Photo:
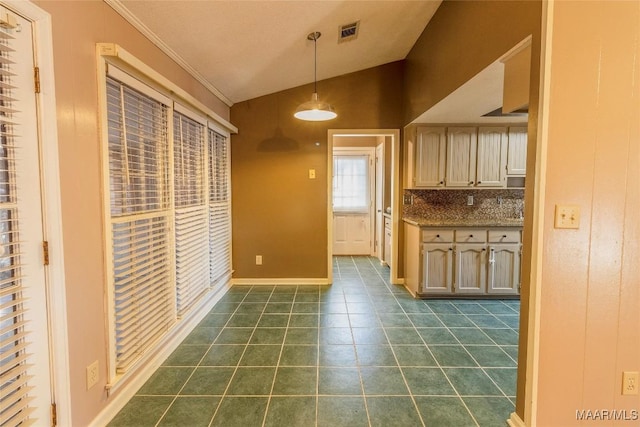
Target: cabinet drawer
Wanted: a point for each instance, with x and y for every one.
(504, 236)
(437, 236)
(471, 235)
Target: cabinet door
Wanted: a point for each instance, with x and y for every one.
(504, 269)
(437, 268)
(470, 268)
(430, 158)
(387, 246)
(517, 151)
(492, 157)
(461, 157)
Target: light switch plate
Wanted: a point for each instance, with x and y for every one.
(312, 174)
(567, 216)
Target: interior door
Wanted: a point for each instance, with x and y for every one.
(352, 204)
(25, 380)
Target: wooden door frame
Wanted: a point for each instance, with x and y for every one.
(395, 193)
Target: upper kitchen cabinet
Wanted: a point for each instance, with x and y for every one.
(466, 157)
(430, 155)
(491, 157)
(517, 151)
(462, 146)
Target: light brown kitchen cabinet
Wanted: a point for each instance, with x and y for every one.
(430, 156)
(517, 151)
(505, 253)
(386, 255)
(462, 261)
(465, 156)
(462, 146)
(492, 157)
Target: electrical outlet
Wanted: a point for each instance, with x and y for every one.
(469, 200)
(630, 383)
(407, 199)
(258, 259)
(92, 374)
(567, 216)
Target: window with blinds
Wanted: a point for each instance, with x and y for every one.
(219, 208)
(169, 214)
(143, 295)
(191, 210)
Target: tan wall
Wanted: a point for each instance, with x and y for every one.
(590, 301)
(77, 27)
(278, 212)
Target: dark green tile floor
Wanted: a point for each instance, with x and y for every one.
(361, 352)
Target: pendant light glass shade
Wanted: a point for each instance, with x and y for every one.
(315, 110)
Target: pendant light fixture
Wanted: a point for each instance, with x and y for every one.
(315, 110)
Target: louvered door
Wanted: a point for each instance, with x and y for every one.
(25, 383)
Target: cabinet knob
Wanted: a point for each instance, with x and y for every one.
(479, 182)
(484, 249)
(441, 182)
(450, 249)
(504, 236)
(470, 182)
(471, 236)
(437, 236)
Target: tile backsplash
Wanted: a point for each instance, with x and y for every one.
(452, 204)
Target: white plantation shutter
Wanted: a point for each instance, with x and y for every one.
(140, 221)
(191, 211)
(219, 208)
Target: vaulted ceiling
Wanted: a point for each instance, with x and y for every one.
(246, 49)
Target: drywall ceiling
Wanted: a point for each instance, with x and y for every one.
(247, 49)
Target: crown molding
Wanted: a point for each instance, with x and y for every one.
(153, 37)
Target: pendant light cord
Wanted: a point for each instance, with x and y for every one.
(315, 64)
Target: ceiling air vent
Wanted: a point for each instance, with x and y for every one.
(348, 32)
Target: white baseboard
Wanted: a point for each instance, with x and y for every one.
(515, 421)
(283, 281)
(121, 394)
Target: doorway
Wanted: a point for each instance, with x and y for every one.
(383, 194)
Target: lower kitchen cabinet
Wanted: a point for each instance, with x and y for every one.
(437, 263)
(462, 261)
(470, 268)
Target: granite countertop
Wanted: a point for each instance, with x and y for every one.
(463, 222)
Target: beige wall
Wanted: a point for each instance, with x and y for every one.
(278, 212)
(77, 27)
(590, 287)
